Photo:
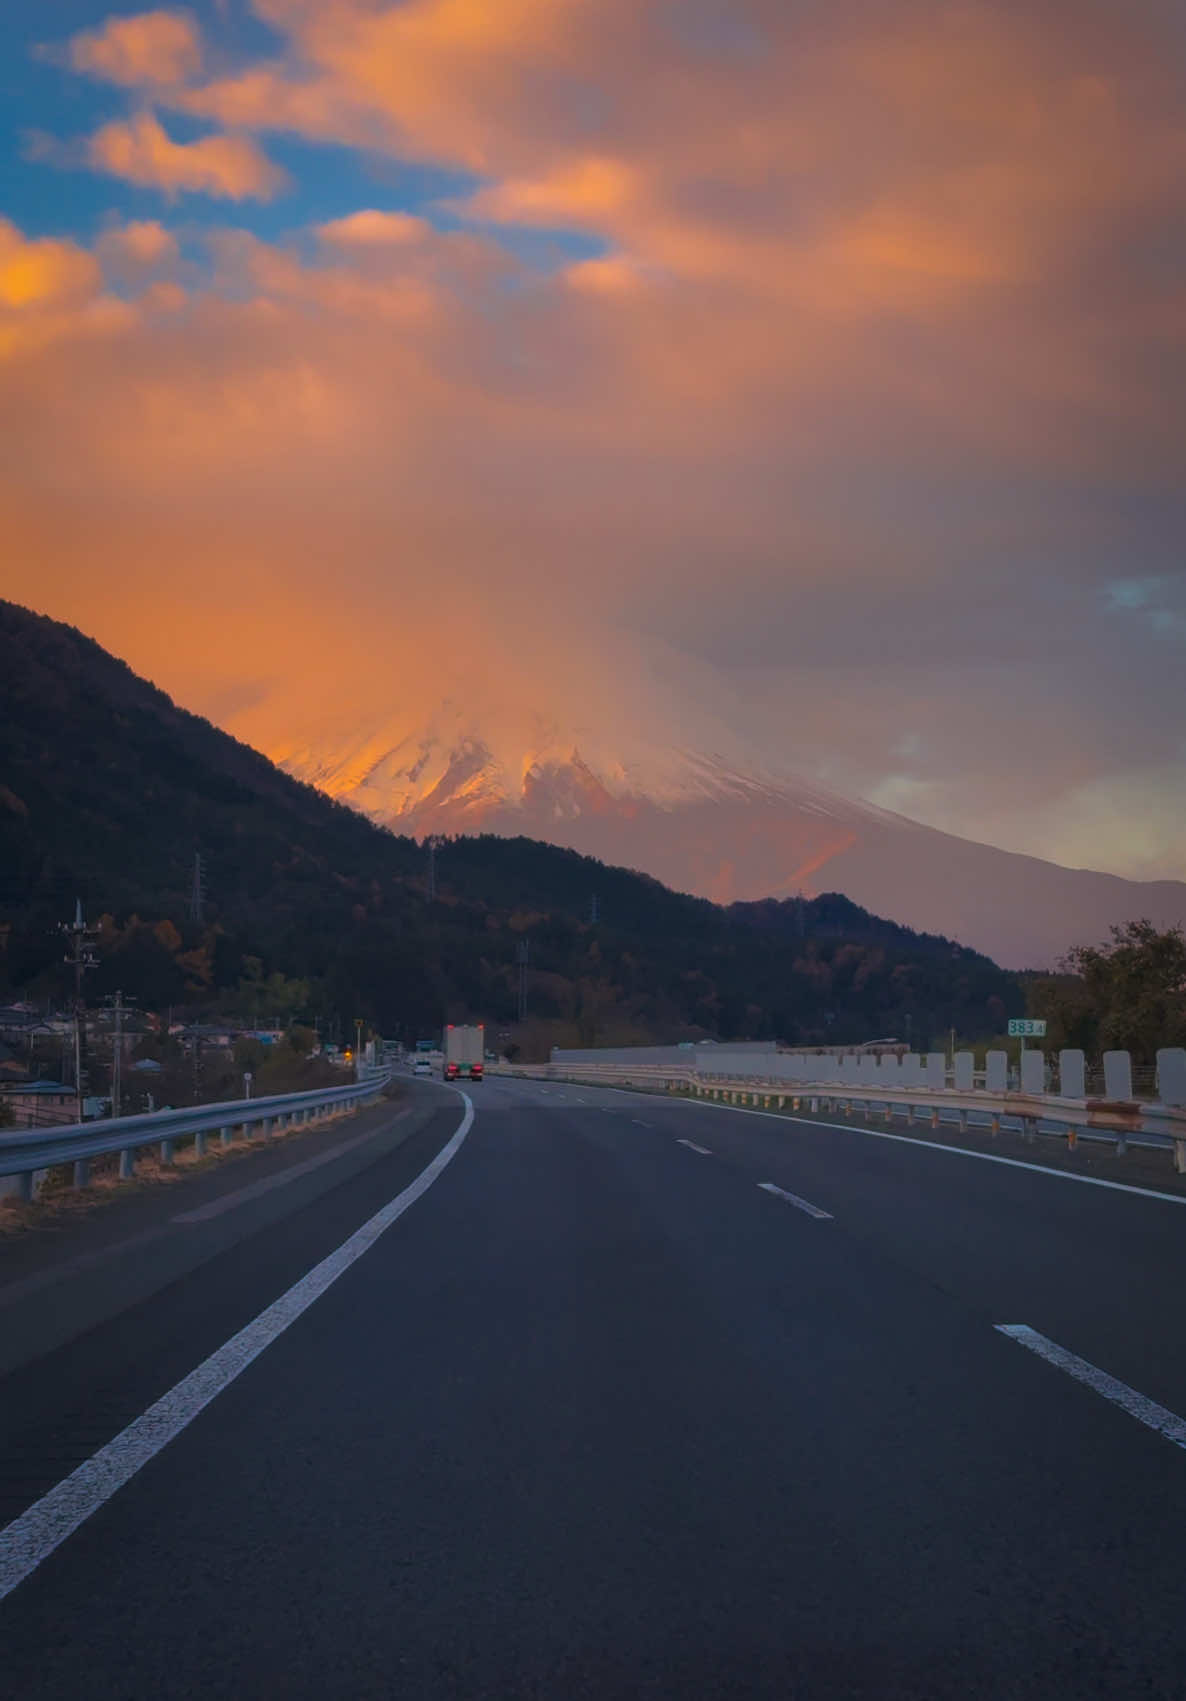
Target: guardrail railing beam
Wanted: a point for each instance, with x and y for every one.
(26, 1152)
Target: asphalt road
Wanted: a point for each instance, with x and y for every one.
(600, 1415)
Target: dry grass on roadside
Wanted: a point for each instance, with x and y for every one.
(60, 1201)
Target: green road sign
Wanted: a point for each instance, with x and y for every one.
(1023, 1027)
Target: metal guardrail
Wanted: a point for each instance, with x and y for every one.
(27, 1153)
(1154, 1125)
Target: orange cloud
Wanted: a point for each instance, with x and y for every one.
(372, 229)
(43, 272)
(144, 245)
(141, 151)
(613, 275)
(159, 47)
(886, 343)
(861, 162)
(593, 190)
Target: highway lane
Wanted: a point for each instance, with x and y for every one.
(1093, 1267)
(599, 1416)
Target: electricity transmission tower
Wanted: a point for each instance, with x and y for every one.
(522, 956)
(431, 843)
(197, 897)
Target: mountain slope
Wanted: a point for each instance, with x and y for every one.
(704, 824)
(107, 790)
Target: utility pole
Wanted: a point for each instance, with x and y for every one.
(197, 897)
(117, 1054)
(81, 957)
(522, 954)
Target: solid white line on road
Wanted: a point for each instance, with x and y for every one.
(1145, 1411)
(32, 1537)
(639, 1124)
(216, 1207)
(936, 1146)
(794, 1199)
(704, 1151)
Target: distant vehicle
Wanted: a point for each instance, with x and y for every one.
(465, 1052)
(421, 1066)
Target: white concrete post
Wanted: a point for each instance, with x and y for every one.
(1171, 1075)
(1033, 1071)
(1072, 1075)
(996, 1071)
(1117, 1075)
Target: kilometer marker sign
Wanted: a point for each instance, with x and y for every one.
(1026, 1028)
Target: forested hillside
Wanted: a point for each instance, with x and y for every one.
(108, 790)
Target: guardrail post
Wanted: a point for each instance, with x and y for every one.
(127, 1163)
(963, 1122)
(910, 1115)
(1180, 1156)
(815, 1106)
(200, 1143)
(1072, 1138)
(82, 1172)
(226, 1134)
(889, 1112)
(934, 1116)
(166, 1153)
(1029, 1129)
(24, 1187)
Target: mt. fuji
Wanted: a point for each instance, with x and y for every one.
(712, 825)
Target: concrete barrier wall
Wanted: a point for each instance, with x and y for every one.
(891, 1072)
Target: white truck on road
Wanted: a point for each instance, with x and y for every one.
(465, 1052)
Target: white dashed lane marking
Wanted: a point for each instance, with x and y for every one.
(794, 1199)
(1145, 1411)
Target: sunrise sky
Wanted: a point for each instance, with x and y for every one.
(824, 362)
